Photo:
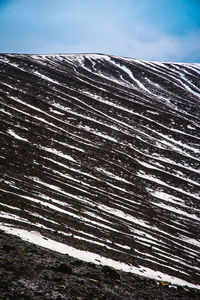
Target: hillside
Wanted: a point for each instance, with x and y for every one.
(100, 160)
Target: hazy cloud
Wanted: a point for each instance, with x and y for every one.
(142, 29)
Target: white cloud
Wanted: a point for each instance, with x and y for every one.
(95, 26)
(165, 48)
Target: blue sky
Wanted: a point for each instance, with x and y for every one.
(144, 29)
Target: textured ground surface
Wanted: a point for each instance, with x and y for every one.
(101, 155)
(29, 272)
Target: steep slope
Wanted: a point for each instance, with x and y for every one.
(101, 155)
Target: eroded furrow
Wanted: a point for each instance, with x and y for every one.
(101, 155)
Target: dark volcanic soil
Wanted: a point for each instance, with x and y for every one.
(101, 154)
(31, 272)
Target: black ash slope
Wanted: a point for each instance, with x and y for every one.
(102, 154)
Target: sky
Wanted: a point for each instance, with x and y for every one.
(167, 30)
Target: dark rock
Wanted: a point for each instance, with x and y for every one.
(63, 268)
(57, 279)
(8, 247)
(112, 273)
(77, 263)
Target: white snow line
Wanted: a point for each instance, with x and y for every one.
(58, 153)
(16, 136)
(36, 238)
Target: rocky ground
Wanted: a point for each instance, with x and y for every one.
(30, 272)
